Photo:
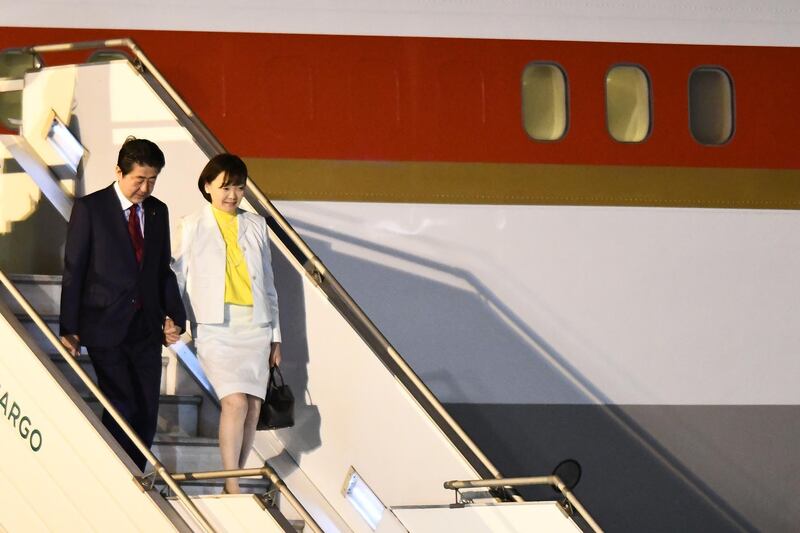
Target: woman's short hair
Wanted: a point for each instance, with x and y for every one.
(232, 165)
(139, 151)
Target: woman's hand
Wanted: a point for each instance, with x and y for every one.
(275, 354)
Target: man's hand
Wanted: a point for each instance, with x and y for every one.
(72, 343)
(171, 332)
(275, 354)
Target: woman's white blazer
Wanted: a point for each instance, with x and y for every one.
(199, 264)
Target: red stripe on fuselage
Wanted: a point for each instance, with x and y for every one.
(433, 99)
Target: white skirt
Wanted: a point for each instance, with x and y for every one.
(235, 355)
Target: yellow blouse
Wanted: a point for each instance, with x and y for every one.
(237, 277)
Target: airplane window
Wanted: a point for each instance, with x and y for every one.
(711, 105)
(544, 101)
(628, 103)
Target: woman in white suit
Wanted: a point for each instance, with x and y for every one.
(223, 264)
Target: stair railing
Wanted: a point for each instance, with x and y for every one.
(552, 480)
(266, 472)
(320, 276)
(158, 468)
(317, 272)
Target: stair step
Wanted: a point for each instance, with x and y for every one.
(83, 360)
(259, 487)
(177, 415)
(35, 279)
(42, 291)
(257, 517)
(192, 454)
(196, 454)
(50, 320)
(86, 365)
(214, 486)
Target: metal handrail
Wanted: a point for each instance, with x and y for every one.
(148, 66)
(265, 471)
(316, 266)
(158, 468)
(552, 480)
(319, 274)
(313, 264)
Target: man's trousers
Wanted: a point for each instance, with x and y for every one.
(129, 375)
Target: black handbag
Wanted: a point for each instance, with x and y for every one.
(278, 408)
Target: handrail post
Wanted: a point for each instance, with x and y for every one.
(266, 472)
(551, 480)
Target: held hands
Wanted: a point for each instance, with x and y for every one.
(72, 343)
(275, 354)
(171, 332)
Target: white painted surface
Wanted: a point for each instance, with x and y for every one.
(366, 419)
(112, 102)
(501, 518)
(59, 92)
(269, 448)
(644, 305)
(351, 412)
(19, 194)
(9, 84)
(694, 295)
(234, 513)
(38, 171)
(74, 478)
(770, 22)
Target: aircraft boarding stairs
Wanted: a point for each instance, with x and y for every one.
(371, 448)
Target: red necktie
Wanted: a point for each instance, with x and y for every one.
(135, 232)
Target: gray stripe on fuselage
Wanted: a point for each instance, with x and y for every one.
(655, 467)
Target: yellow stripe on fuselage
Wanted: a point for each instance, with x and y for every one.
(526, 184)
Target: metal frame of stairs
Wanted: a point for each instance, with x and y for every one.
(316, 271)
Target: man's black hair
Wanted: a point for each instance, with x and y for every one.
(139, 151)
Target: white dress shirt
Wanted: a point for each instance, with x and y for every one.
(126, 204)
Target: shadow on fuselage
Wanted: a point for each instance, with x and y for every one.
(630, 482)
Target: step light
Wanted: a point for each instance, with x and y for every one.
(64, 143)
(363, 499)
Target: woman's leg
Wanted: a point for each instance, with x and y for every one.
(250, 423)
(231, 429)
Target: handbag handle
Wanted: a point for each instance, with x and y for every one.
(272, 371)
(271, 383)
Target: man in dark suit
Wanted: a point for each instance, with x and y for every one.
(119, 297)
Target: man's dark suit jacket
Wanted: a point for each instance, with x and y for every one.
(102, 278)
